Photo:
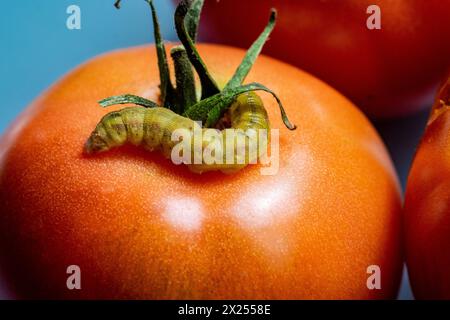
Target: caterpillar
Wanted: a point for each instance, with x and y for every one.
(236, 112)
(153, 128)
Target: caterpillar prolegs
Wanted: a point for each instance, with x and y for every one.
(154, 129)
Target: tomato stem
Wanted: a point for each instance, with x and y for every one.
(209, 86)
(185, 89)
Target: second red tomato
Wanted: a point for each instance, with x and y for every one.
(387, 72)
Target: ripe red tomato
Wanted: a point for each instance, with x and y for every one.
(427, 207)
(389, 72)
(140, 227)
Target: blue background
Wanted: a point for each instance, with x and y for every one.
(37, 49)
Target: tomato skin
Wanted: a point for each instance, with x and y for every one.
(389, 72)
(140, 227)
(427, 210)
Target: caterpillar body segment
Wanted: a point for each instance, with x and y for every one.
(248, 112)
(153, 129)
(247, 137)
(150, 128)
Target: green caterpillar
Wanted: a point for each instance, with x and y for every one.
(235, 107)
(153, 129)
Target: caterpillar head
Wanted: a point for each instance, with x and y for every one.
(96, 144)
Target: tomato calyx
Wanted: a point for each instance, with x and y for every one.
(182, 99)
(442, 103)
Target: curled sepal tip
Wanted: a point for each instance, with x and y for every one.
(211, 109)
(216, 113)
(127, 99)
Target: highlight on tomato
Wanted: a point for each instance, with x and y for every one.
(87, 193)
(427, 206)
(387, 56)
